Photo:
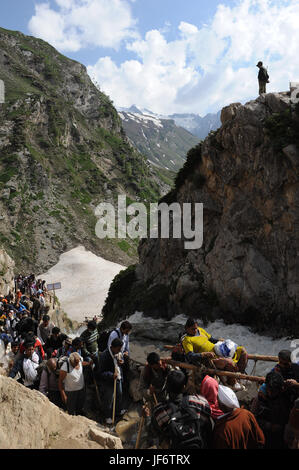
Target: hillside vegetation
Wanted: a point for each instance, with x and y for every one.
(62, 151)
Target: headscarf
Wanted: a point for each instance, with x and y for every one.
(209, 390)
(228, 397)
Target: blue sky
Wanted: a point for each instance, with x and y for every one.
(169, 55)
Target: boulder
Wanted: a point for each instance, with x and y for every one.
(229, 112)
(6, 273)
(29, 421)
(277, 102)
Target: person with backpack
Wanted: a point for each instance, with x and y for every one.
(237, 428)
(263, 77)
(71, 384)
(35, 309)
(48, 384)
(11, 323)
(109, 372)
(183, 421)
(30, 337)
(27, 366)
(45, 328)
(65, 349)
(77, 346)
(89, 338)
(25, 325)
(153, 378)
(54, 342)
(123, 333)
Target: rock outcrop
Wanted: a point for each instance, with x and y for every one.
(247, 270)
(6, 273)
(29, 421)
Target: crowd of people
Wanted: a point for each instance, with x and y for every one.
(207, 414)
(182, 410)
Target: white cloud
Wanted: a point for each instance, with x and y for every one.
(81, 23)
(210, 66)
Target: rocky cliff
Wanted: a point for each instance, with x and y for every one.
(62, 151)
(7, 266)
(247, 270)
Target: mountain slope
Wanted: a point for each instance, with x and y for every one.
(160, 140)
(62, 151)
(197, 125)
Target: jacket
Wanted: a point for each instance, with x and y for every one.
(106, 366)
(90, 340)
(263, 75)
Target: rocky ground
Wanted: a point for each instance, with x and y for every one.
(29, 421)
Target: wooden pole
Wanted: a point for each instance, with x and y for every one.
(96, 386)
(114, 401)
(155, 399)
(253, 357)
(259, 357)
(139, 432)
(221, 373)
(54, 299)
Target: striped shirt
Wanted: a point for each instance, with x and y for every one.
(90, 340)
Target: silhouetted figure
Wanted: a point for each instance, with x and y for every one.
(263, 78)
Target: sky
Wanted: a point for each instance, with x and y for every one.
(169, 56)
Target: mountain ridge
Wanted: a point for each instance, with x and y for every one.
(160, 140)
(62, 151)
(194, 123)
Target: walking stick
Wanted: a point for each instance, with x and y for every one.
(97, 389)
(155, 399)
(139, 432)
(114, 401)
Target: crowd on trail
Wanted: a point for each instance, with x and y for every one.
(181, 409)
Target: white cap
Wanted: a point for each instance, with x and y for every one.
(228, 397)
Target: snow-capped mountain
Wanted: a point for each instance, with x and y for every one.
(163, 142)
(194, 123)
(197, 125)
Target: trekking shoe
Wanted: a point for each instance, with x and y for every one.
(108, 421)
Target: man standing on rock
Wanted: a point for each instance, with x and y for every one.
(263, 78)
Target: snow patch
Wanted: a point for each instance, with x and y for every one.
(85, 279)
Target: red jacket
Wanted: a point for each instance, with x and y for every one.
(37, 345)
